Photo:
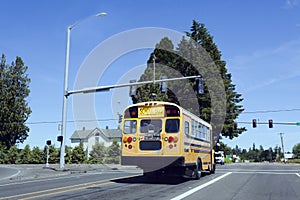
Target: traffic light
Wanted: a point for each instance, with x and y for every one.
(48, 142)
(254, 123)
(270, 123)
(60, 138)
(163, 86)
(235, 125)
(133, 88)
(199, 85)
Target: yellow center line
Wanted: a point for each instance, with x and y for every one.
(66, 188)
(64, 191)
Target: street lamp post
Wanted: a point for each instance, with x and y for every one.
(66, 93)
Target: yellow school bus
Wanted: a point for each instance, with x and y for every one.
(163, 137)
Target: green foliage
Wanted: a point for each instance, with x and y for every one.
(25, 155)
(12, 155)
(78, 154)
(171, 62)
(113, 153)
(101, 154)
(37, 156)
(296, 150)
(14, 112)
(54, 154)
(98, 154)
(3, 154)
(68, 152)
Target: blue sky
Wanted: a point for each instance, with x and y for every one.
(259, 40)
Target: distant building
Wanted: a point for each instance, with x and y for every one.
(94, 136)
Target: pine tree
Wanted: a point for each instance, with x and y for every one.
(191, 53)
(53, 154)
(12, 155)
(38, 156)
(78, 154)
(14, 83)
(113, 153)
(98, 153)
(201, 35)
(25, 155)
(68, 152)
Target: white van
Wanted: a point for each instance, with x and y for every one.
(219, 157)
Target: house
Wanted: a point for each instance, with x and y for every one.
(94, 136)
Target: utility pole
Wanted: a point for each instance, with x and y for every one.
(281, 137)
(154, 57)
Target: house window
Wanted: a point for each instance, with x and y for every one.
(97, 138)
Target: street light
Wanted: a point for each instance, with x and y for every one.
(66, 94)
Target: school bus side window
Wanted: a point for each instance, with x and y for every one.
(130, 126)
(187, 127)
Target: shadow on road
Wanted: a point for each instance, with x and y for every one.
(162, 179)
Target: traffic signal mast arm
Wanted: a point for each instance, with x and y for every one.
(107, 88)
(279, 123)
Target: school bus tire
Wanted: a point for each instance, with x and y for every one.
(198, 169)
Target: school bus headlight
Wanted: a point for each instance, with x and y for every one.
(166, 138)
(124, 139)
(133, 139)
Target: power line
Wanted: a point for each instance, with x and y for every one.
(58, 122)
(271, 111)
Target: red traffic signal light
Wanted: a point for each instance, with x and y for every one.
(254, 123)
(270, 123)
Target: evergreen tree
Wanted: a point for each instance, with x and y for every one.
(182, 62)
(25, 155)
(3, 154)
(68, 152)
(12, 155)
(296, 150)
(98, 153)
(78, 154)
(113, 153)
(14, 83)
(53, 154)
(38, 156)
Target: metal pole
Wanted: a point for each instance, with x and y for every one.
(47, 159)
(154, 68)
(281, 137)
(65, 101)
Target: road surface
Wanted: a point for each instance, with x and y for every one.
(8, 172)
(235, 181)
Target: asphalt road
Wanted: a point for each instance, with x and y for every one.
(8, 172)
(235, 181)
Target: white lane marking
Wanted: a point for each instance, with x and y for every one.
(298, 174)
(200, 187)
(260, 170)
(265, 172)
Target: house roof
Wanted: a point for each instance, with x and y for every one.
(108, 133)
